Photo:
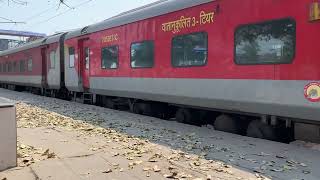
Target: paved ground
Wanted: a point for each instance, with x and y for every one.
(67, 140)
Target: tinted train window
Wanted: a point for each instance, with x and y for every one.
(189, 50)
(10, 67)
(87, 57)
(71, 57)
(5, 67)
(22, 66)
(0, 67)
(30, 64)
(52, 59)
(266, 43)
(110, 57)
(15, 67)
(142, 54)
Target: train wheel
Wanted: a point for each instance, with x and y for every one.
(258, 129)
(110, 104)
(228, 124)
(136, 108)
(184, 115)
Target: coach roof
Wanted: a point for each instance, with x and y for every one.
(148, 11)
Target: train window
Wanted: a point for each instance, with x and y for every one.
(30, 64)
(110, 57)
(10, 67)
(189, 50)
(5, 67)
(270, 42)
(0, 67)
(142, 54)
(71, 57)
(52, 59)
(87, 57)
(15, 67)
(22, 66)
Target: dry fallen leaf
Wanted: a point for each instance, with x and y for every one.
(146, 169)
(173, 175)
(51, 155)
(115, 164)
(130, 158)
(115, 154)
(138, 162)
(209, 177)
(152, 160)
(22, 146)
(107, 171)
(306, 172)
(45, 152)
(281, 157)
(156, 169)
(277, 170)
(303, 165)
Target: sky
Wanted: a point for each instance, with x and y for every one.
(45, 16)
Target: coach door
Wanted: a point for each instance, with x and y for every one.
(44, 67)
(84, 64)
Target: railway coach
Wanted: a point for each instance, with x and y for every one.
(35, 66)
(258, 59)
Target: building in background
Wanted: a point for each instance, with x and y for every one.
(10, 39)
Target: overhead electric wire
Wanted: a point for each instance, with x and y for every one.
(6, 19)
(19, 2)
(24, 3)
(64, 12)
(62, 2)
(42, 12)
(10, 21)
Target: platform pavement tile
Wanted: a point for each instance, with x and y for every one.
(54, 169)
(18, 174)
(58, 142)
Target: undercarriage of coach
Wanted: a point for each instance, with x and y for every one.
(268, 127)
(253, 125)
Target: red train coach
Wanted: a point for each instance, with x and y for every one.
(34, 66)
(255, 57)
